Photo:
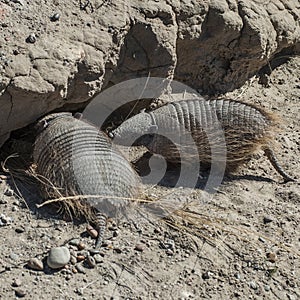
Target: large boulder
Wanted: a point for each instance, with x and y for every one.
(213, 46)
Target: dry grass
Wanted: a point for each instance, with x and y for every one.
(187, 219)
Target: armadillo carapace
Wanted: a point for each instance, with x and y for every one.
(75, 158)
(202, 123)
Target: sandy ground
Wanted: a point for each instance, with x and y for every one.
(243, 243)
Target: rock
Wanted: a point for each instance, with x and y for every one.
(73, 260)
(35, 264)
(14, 256)
(253, 285)
(74, 242)
(94, 251)
(118, 250)
(80, 268)
(139, 247)
(20, 293)
(272, 257)
(80, 258)
(81, 246)
(213, 46)
(91, 261)
(267, 219)
(261, 239)
(9, 192)
(17, 282)
(91, 231)
(98, 258)
(267, 288)
(168, 244)
(5, 220)
(170, 252)
(58, 257)
(19, 229)
(55, 17)
(31, 38)
(206, 275)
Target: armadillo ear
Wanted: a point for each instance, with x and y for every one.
(153, 129)
(40, 126)
(78, 115)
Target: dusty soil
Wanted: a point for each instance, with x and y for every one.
(242, 243)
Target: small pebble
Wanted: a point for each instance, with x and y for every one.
(2, 201)
(80, 268)
(91, 261)
(115, 233)
(74, 242)
(73, 260)
(81, 246)
(17, 282)
(58, 257)
(35, 264)
(117, 250)
(21, 2)
(267, 288)
(14, 256)
(267, 219)
(98, 258)
(206, 275)
(16, 52)
(55, 17)
(31, 38)
(79, 291)
(272, 257)
(253, 285)
(169, 252)
(20, 293)
(169, 244)
(94, 251)
(80, 258)
(19, 229)
(9, 192)
(139, 247)
(91, 231)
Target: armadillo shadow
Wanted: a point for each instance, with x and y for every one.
(167, 174)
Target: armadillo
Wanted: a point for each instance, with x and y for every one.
(76, 158)
(245, 128)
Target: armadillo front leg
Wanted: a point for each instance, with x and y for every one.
(272, 158)
(101, 224)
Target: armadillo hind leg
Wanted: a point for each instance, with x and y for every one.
(272, 158)
(101, 224)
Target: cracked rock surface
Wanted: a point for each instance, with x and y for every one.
(46, 62)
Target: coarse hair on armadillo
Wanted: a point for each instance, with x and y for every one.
(245, 128)
(77, 162)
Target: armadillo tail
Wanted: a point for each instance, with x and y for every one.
(101, 227)
(272, 158)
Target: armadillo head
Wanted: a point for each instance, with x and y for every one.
(45, 121)
(137, 130)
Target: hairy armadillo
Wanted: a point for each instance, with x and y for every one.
(244, 127)
(76, 158)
